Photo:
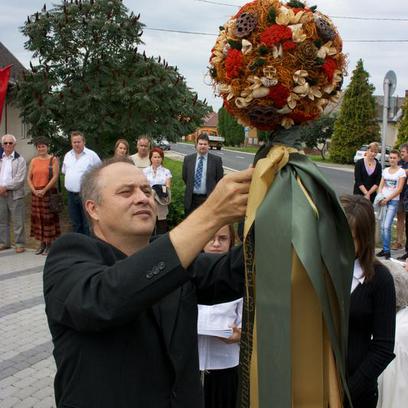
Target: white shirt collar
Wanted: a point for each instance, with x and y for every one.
(12, 155)
(358, 275)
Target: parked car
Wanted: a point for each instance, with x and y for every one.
(360, 153)
(164, 144)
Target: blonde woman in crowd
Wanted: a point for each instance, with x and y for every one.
(121, 148)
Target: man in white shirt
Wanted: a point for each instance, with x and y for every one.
(76, 162)
(141, 157)
(12, 175)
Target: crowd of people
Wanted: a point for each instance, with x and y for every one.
(115, 206)
(201, 172)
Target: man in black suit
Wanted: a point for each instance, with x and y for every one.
(201, 172)
(122, 311)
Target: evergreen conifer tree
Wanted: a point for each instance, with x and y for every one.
(230, 129)
(356, 124)
(403, 125)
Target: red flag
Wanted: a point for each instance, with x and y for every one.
(4, 78)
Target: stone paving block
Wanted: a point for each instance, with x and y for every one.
(9, 391)
(44, 392)
(27, 403)
(25, 393)
(6, 382)
(9, 402)
(48, 402)
(25, 382)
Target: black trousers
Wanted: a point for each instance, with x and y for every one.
(196, 201)
(220, 388)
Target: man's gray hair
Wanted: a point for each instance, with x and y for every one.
(90, 185)
(145, 137)
(13, 138)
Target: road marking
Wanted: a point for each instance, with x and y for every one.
(240, 157)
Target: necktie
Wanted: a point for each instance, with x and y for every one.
(199, 173)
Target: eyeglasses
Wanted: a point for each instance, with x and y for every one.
(8, 143)
(221, 239)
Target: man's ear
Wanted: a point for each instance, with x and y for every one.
(91, 209)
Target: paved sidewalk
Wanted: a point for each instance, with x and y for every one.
(27, 367)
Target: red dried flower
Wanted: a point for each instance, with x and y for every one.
(300, 117)
(233, 63)
(289, 45)
(275, 34)
(279, 94)
(329, 66)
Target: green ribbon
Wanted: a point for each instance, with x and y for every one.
(325, 247)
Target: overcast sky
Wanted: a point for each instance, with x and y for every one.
(191, 52)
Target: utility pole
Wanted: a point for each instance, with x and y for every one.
(390, 83)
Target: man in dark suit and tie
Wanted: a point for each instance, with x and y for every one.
(201, 172)
(122, 311)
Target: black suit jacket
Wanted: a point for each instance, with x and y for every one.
(215, 172)
(125, 328)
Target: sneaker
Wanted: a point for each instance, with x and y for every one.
(403, 257)
(4, 247)
(396, 245)
(381, 253)
(387, 255)
(20, 250)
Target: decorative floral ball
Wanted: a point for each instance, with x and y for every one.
(277, 64)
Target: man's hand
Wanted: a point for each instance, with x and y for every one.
(225, 205)
(3, 191)
(229, 199)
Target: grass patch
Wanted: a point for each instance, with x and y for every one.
(248, 149)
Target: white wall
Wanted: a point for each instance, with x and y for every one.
(16, 127)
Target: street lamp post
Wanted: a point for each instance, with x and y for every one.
(390, 83)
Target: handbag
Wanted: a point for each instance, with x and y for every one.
(56, 197)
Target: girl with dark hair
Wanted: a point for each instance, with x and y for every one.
(219, 356)
(372, 307)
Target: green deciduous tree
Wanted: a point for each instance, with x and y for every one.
(316, 133)
(357, 122)
(403, 125)
(87, 74)
(230, 129)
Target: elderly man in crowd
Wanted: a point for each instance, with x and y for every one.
(122, 311)
(141, 157)
(12, 175)
(76, 162)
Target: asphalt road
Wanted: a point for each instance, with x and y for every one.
(341, 178)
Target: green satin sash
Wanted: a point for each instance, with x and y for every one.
(299, 262)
